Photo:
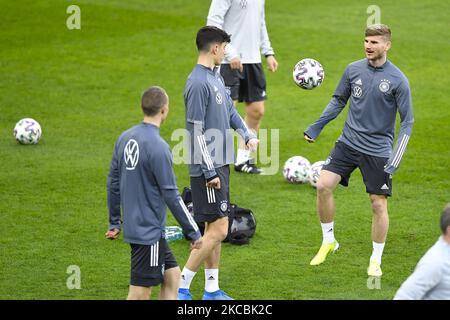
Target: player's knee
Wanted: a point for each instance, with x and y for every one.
(255, 112)
(222, 234)
(172, 277)
(323, 188)
(379, 205)
(219, 232)
(137, 296)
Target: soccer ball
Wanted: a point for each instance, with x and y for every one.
(27, 131)
(308, 74)
(314, 173)
(296, 169)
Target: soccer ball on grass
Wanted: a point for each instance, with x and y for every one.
(27, 131)
(296, 169)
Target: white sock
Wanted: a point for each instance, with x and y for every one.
(211, 280)
(242, 156)
(186, 278)
(328, 232)
(377, 252)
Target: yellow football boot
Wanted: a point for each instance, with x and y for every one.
(324, 250)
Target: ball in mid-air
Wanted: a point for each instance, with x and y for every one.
(308, 74)
(27, 131)
(296, 169)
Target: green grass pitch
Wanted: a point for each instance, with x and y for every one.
(84, 86)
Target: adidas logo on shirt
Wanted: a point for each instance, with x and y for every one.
(358, 82)
(384, 187)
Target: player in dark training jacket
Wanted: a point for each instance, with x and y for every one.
(211, 119)
(141, 183)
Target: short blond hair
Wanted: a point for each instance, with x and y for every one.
(378, 30)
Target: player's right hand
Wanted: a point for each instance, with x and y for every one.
(112, 234)
(309, 139)
(252, 144)
(214, 183)
(197, 244)
(235, 64)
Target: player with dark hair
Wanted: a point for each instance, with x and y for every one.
(377, 90)
(210, 120)
(141, 182)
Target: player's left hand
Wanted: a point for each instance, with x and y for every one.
(272, 63)
(197, 244)
(252, 144)
(308, 138)
(112, 234)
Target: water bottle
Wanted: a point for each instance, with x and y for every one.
(174, 233)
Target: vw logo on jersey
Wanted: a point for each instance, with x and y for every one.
(243, 4)
(131, 154)
(357, 91)
(219, 99)
(384, 85)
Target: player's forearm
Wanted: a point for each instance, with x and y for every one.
(266, 46)
(241, 128)
(207, 164)
(400, 147)
(180, 212)
(330, 113)
(114, 214)
(113, 198)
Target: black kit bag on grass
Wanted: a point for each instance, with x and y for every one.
(241, 225)
(241, 221)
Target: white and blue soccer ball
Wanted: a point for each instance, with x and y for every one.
(314, 172)
(296, 169)
(308, 74)
(27, 131)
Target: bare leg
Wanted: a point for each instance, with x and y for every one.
(380, 220)
(139, 293)
(215, 232)
(170, 285)
(254, 112)
(325, 201)
(213, 260)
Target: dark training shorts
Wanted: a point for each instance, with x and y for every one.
(248, 86)
(148, 263)
(210, 204)
(343, 159)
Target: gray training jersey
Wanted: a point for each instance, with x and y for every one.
(141, 181)
(210, 120)
(431, 279)
(376, 95)
(246, 22)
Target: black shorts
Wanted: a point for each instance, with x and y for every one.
(248, 86)
(210, 204)
(149, 262)
(344, 159)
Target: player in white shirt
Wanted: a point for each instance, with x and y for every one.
(242, 69)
